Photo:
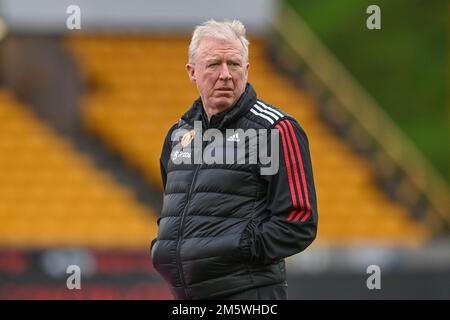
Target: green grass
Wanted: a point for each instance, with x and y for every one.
(403, 65)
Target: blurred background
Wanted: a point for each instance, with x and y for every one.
(87, 94)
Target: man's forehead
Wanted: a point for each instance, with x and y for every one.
(209, 56)
(210, 48)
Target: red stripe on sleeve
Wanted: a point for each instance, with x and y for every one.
(297, 180)
(288, 168)
(302, 171)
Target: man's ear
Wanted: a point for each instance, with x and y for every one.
(247, 66)
(191, 72)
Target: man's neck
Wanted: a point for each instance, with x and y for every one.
(215, 112)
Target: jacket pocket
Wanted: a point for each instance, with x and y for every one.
(244, 251)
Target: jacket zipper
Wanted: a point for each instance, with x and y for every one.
(183, 215)
(180, 232)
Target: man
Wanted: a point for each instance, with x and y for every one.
(225, 228)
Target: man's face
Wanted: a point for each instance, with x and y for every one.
(220, 73)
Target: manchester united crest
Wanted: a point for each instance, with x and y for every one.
(187, 138)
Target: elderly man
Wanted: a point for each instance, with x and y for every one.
(225, 228)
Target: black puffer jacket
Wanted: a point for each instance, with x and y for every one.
(225, 228)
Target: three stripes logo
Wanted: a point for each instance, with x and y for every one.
(262, 110)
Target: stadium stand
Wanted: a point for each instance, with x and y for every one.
(52, 196)
(138, 88)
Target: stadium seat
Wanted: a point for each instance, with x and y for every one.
(53, 196)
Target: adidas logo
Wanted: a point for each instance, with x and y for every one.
(234, 138)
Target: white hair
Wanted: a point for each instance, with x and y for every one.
(226, 31)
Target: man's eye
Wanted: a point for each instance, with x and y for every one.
(213, 64)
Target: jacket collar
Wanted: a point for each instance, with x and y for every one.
(242, 106)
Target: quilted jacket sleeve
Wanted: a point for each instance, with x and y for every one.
(291, 200)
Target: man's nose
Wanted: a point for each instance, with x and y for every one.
(224, 72)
